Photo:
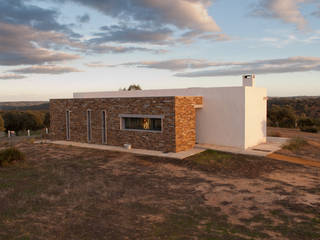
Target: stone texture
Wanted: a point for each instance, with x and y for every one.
(178, 132)
(185, 122)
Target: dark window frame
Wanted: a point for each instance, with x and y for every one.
(153, 122)
(68, 136)
(89, 125)
(104, 127)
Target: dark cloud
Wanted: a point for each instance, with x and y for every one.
(317, 12)
(125, 34)
(286, 65)
(22, 45)
(103, 49)
(22, 12)
(214, 69)
(178, 64)
(84, 18)
(154, 21)
(184, 14)
(45, 69)
(11, 77)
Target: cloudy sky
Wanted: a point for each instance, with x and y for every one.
(52, 48)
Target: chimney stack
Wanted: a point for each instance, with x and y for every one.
(248, 80)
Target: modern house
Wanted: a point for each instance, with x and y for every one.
(169, 120)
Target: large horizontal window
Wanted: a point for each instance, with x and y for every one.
(142, 123)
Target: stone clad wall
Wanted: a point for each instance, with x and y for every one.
(185, 119)
(165, 140)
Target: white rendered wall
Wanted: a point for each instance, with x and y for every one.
(256, 116)
(221, 121)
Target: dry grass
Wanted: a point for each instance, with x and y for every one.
(296, 144)
(10, 155)
(275, 134)
(302, 145)
(237, 165)
(65, 192)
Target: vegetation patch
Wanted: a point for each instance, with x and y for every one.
(295, 226)
(232, 164)
(296, 144)
(10, 155)
(203, 223)
(100, 193)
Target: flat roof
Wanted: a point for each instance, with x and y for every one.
(150, 93)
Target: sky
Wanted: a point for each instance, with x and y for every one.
(52, 48)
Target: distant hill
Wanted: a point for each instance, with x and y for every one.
(303, 106)
(24, 105)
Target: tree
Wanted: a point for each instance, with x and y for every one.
(31, 120)
(1, 124)
(46, 121)
(282, 117)
(132, 87)
(305, 122)
(11, 121)
(17, 121)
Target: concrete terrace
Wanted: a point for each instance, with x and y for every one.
(273, 144)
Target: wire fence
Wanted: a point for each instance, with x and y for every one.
(12, 137)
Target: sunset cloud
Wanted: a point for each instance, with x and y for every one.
(23, 45)
(215, 69)
(50, 69)
(98, 65)
(18, 12)
(11, 77)
(154, 21)
(103, 49)
(287, 10)
(285, 65)
(183, 14)
(178, 64)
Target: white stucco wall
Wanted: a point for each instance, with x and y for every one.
(221, 121)
(255, 116)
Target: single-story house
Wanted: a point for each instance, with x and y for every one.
(169, 120)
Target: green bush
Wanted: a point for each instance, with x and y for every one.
(281, 116)
(10, 155)
(17, 121)
(295, 144)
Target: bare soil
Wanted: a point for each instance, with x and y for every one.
(64, 192)
(310, 151)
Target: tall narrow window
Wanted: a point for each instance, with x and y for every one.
(89, 125)
(68, 125)
(104, 127)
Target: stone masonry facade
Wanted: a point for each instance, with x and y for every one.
(178, 121)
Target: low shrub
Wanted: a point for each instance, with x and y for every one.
(10, 155)
(295, 144)
(309, 129)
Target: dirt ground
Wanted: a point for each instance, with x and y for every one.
(310, 151)
(63, 192)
